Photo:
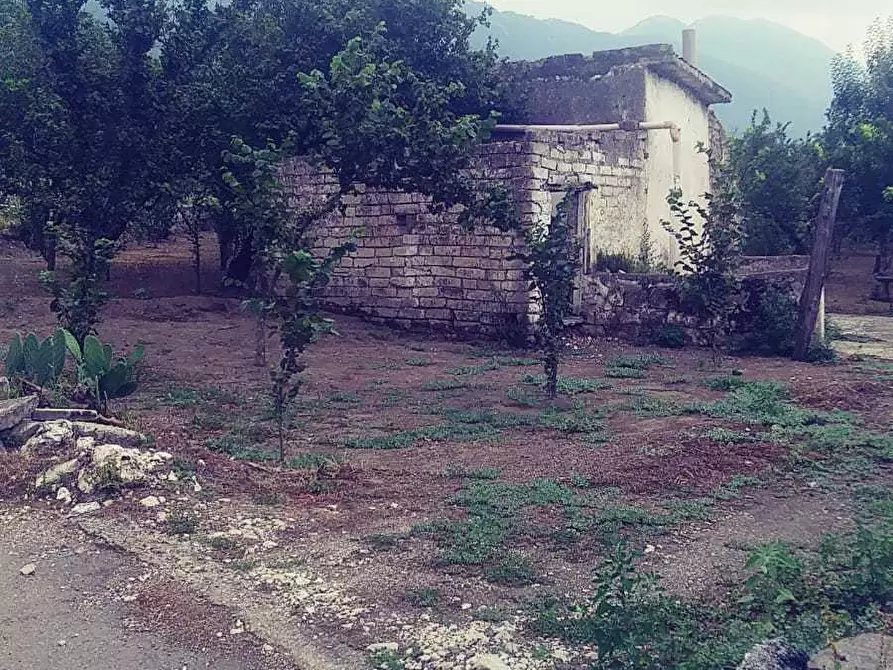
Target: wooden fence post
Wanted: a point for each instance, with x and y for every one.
(818, 264)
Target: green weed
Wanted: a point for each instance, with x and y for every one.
(513, 569)
(569, 385)
(422, 597)
(417, 362)
(445, 385)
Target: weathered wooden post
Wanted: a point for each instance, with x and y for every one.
(811, 297)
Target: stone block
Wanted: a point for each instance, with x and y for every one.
(16, 410)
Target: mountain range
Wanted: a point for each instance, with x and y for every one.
(764, 64)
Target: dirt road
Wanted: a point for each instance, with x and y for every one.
(79, 609)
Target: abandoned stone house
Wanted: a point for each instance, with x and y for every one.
(627, 125)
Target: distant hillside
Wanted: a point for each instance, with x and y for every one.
(764, 64)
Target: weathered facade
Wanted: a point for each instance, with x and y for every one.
(416, 269)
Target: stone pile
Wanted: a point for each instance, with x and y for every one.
(84, 452)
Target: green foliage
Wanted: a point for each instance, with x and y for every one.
(766, 322)
(628, 618)
(78, 294)
(671, 337)
(445, 385)
(385, 659)
(551, 257)
(859, 139)
(569, 385)
(777, 177)
(38, 363)
(709, 239)
(422, 597)
(806, 597)
(105, 377)
(513, 569)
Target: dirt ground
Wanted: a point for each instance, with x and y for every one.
(322, 561)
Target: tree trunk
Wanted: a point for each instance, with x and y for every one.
(818, 264)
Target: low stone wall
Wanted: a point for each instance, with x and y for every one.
(637, 306)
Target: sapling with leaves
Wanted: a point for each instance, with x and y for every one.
(709, 237)
(552, 259)
(79, 291)
(285, 275)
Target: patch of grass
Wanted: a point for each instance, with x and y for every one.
(180, 397)
(208, 421)
(384, 541)
(417, 362)
(223, 543)
(385, 659)
(638, 361)
(569, 385)
(509, 361)
(522, 397)
(240, 444)
(646, 406)
(445, 385)
(473, 370)
(271, 498)
(180, 522)
(728, 436)
(183, 466)
(316, 461)
(578, 421)
(492, 614)
(766, 404)
(394, 398)
(422, 597)
(461, 472)
(513, 569)
(344, 398)
(465, 432)
(578, 481)
(725, 383)
(625, 373)
(731, 490)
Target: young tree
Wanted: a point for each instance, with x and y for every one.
(552, 257)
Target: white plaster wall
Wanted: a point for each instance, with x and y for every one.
(666, 101)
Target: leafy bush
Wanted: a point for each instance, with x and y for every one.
(671, 337)
(104, 376)
(765, 324)
(38, 363)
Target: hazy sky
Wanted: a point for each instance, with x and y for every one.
(835, 23)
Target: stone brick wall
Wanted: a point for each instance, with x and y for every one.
(416, 269)
(636, 306)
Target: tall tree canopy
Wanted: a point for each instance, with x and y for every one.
(777, 178)
(859, 138)
(109, 121)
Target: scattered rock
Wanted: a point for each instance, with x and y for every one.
(488, 662)
(64, 495)
(16, 410)
(56, 474)
(775, 654)
(114, 465)
(110, 434)
(52, 438)
(28, 569)
(383, 646)
(869, 651)
(86, 508)
(150, 501)
(23, 432)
